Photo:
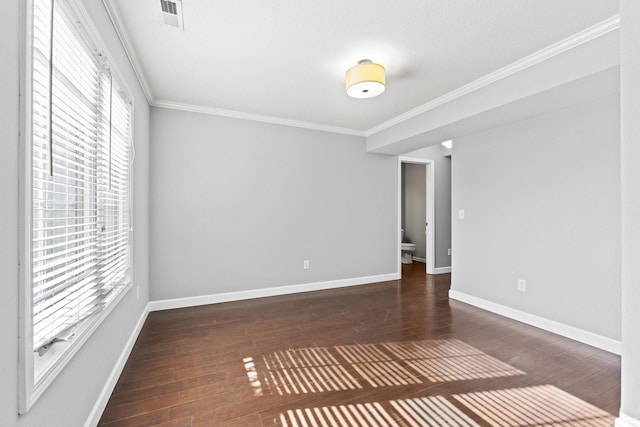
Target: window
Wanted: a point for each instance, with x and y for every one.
(78, 156)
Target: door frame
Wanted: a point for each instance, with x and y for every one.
(430, 209)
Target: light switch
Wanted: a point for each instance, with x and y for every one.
(461, 213)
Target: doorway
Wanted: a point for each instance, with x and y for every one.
(418, 197)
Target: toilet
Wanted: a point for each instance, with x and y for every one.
(406, 249)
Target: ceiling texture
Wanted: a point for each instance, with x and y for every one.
(284, 60)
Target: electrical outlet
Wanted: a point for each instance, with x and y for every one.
(449, 251)
(522, 285)
(305, 264)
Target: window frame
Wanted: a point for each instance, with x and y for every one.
(30, 387)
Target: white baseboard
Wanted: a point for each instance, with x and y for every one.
(442, 270)
(580, 335)
(625, 420)
(267, 292)
(105, 394)
(417, 258)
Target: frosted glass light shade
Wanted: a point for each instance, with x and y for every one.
(365, 80)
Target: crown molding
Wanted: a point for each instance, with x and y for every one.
(115, 17)
(254, 117)
(569, 43)
(593, 32)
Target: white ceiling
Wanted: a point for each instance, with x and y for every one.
(286, 58)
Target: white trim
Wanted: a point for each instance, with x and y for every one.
(430, 186)
(399, 225)
(417, 258)
(105, 394)
(25, 335)
(558, 328)
(571, 42)
(110, 384)
(169, 304)
(96, 37)
(68, 351)
(30, 388)
(602, 28)
(130, 52)
(430, 208)
(254, 117)
(442, 270)
(625, 420)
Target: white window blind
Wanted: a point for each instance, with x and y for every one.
(80, 177)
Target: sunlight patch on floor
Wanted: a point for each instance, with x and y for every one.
(354, 366)
(381, 374)
(534, 406)
(426, 411)
(401, 364)
(450, 360)
(358, 353)
(432, 411)
(368, 414)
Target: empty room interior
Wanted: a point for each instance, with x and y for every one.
(295, 213)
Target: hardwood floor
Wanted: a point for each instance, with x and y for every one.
(394, 353)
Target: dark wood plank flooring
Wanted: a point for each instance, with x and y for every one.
(395, 353)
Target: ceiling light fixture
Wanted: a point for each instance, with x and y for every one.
(447, 144)
(365, 80)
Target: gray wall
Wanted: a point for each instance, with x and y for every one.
(414, 206)
(542, 203)
(442, 199)
(69, 400)
(238, 205)
(630, 73)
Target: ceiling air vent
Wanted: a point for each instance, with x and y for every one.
(172, 13)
